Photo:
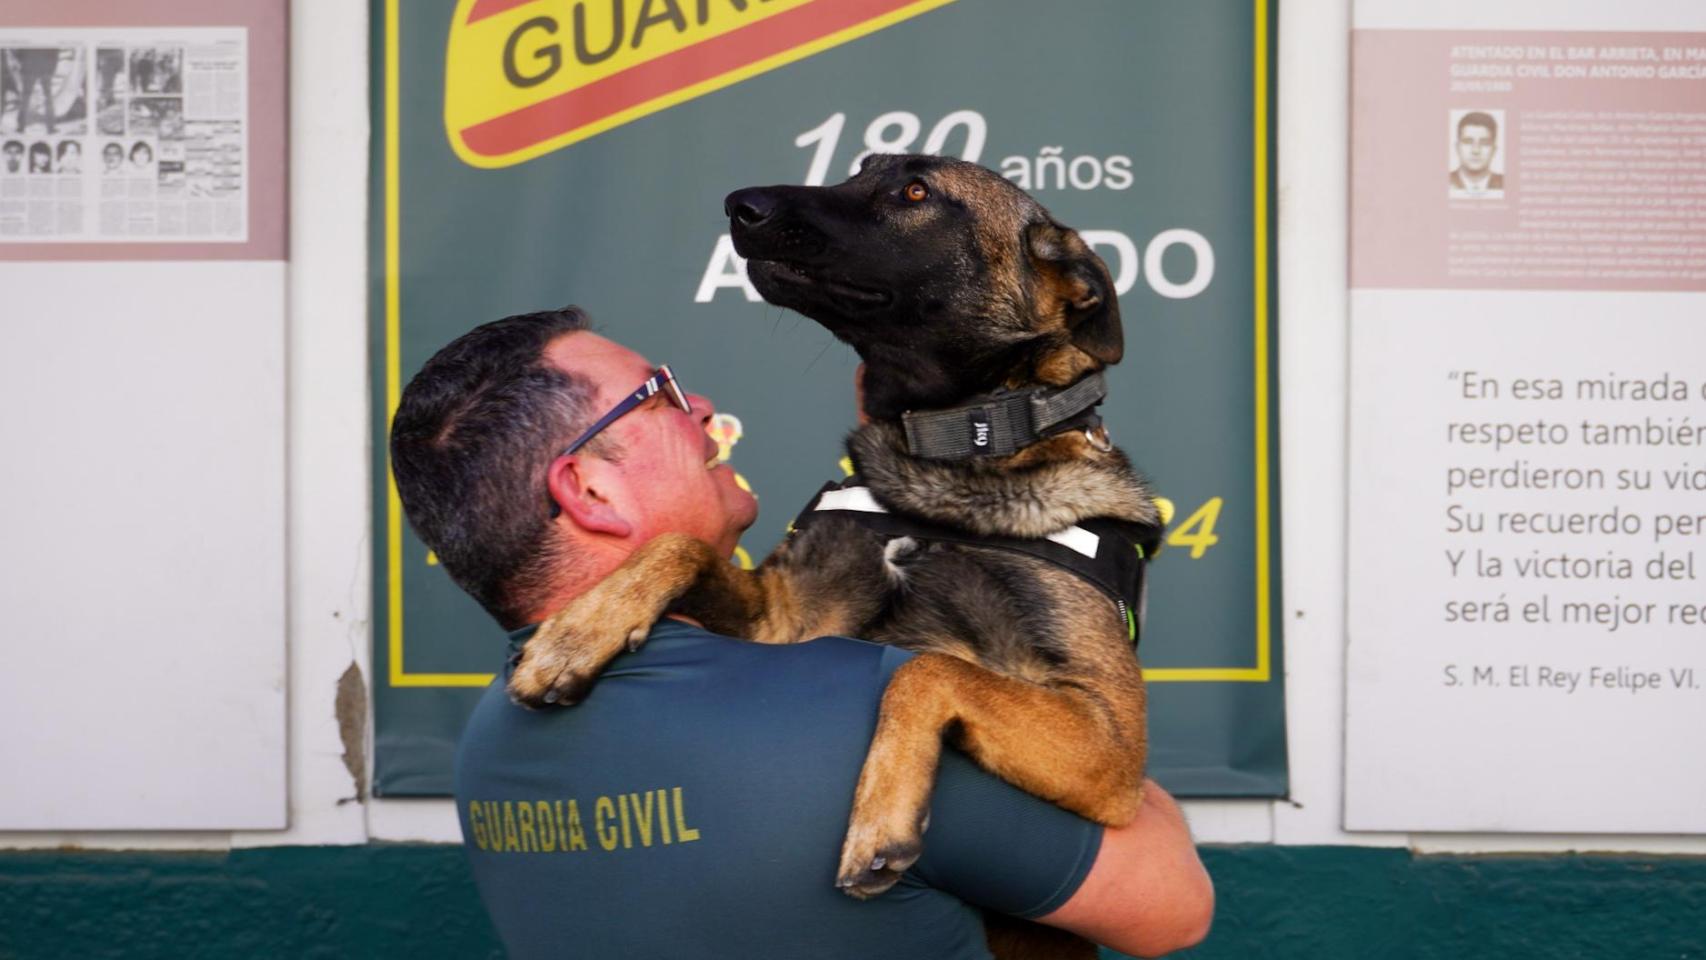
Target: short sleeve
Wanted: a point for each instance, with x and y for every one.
(993, 845)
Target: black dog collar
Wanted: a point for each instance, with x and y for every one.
(1110, 554)
(1004, 422)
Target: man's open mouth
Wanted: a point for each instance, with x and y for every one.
(787, 273)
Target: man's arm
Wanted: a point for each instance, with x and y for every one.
(1147, 892)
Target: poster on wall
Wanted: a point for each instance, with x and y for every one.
(123, 135)
(1528, 431)
(531, 154)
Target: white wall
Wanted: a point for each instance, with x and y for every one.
(144, 545)
(329, 458)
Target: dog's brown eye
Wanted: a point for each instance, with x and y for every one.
(916, 191)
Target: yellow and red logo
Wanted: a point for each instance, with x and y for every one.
(525, 77)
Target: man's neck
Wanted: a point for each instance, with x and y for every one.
(589, 562)
(1476, 181)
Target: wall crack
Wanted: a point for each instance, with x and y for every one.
(350, 706)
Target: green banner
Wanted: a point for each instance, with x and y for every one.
(533, 153)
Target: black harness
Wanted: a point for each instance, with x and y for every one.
(1110, 554)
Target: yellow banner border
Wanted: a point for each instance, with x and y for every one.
(398, 677)
(1263, 670)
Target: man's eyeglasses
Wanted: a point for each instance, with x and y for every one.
(663, 378)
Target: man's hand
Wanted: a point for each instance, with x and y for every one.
(1147, 894)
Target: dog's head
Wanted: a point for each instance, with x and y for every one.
(948, 280)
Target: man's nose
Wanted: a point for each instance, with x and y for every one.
(701, 404)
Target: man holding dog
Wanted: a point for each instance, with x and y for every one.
(694, 804)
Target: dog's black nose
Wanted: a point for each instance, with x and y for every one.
(749, 207)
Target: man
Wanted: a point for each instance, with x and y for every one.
(35, 69)
(142, 71)
(41, 157)
(70, 157)
(108, 63)
(141, 157)
(1477, 143)
(693, 805)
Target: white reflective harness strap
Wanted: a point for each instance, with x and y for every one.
(859, 499)
(850, 498)
(1078, 540)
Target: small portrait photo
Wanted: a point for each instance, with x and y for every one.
(12, 156)
(1477, 163)
(113, 83)
(112, 158)
(157, 70)
(41, 157)
(161, 117)
(42, 91)
(141, 158)
(69, 157)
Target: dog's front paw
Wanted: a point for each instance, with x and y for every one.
(546, 677)
(874, 855)
(560, 663)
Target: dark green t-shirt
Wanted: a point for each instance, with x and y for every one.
(693, 806)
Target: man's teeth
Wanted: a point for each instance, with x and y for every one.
(712, 463)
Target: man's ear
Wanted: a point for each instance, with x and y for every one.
(577, 494)
(1081, 282)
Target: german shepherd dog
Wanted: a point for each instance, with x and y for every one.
(953, 286)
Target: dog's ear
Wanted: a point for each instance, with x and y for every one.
(1082, 283)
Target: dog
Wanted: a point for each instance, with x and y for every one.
(984, 326)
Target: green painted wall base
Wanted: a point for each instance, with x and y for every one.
(1359, 902)
(385, 900)
(379, 900)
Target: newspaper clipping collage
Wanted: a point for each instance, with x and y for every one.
(133, 135)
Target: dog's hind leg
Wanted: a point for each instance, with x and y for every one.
(1080, 746)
